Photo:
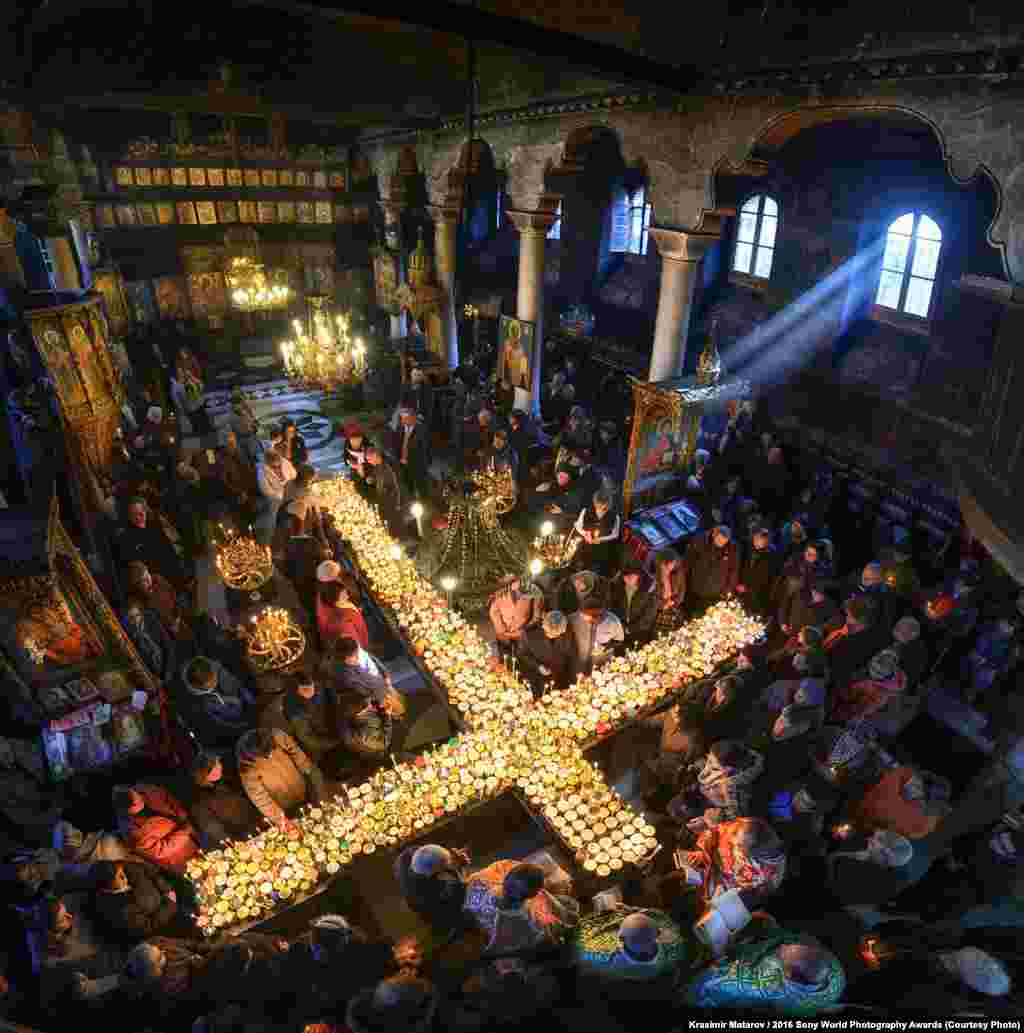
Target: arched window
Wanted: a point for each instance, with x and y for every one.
(555, 233)
(909, 266)
(755, 237)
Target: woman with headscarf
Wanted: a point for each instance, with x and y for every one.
(770, 972)
(872, 871)
(509, 903)
(670, 587)
(745, 854)
(862, 699)
(724, 787)
(793, 538)
(432, 881)
(912, 803)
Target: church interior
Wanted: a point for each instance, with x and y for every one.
(508, 512)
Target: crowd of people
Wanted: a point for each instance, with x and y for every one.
(815, 865)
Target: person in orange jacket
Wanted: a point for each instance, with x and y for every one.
(155, 826)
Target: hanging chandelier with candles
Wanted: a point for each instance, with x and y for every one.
(323, 353)
(251, 290)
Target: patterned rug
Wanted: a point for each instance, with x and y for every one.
(274, 400)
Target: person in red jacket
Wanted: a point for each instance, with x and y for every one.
(155, 825)
(337, 615)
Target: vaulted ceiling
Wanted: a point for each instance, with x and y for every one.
(358, 65)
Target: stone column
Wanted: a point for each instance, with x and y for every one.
(446, 223)
(681, 253)
(392, 209)
(533, 229)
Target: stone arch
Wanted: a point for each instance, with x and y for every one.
(773, 135)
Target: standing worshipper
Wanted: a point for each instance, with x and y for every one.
(337, 615)
(599, 525)
(388, 492)
(277, 775)
(274, 475)
(245, 425)
(548, 653)
(432, 882)
(238, 476)
(293, 444)
(597, 631)
(355, 455)
(512, 611)
(670, 587)
(634, 601)
(712, 569)
(410, 446)
(154, 825)
(142, 539)
(851, 647)
(759, 573)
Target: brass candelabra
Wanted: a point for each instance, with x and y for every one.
(275, 641)
(244, 564)
(555, 548)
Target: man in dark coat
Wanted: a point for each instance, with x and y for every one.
(851, 647)
(133, 900)
(388, 492)
(633, 600)
(712, 568)
(432, 883)
(548, 653)
(141, 539)
(335, 960)
(759, 572)
(410, 446)
(217, 805)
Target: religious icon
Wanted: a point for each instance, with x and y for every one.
(286, 211)
(227, 211)
(319, 180)
(234, 177)
(165, 214)
(197, 177)
(660, 445)
(337, 180)
(270, 177)
(207, 213)
(179, 177)
(302, 179)
(186, 213)
(252, 177)
(88, 748)
(126, 215)
(215, 177)
(105, 215)
(247, 211)
(47, 632)
(161, 177)
(142, 178)
(58, 361)
(286, 178)
(123, 176)
(305, 210)
(147, 214)
(268, 211)
(515, 359)
(323, 211)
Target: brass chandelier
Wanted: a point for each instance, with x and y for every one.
(251, 290)
(323, 352)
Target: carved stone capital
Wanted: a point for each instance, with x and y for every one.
(682, 245)
(535, 223)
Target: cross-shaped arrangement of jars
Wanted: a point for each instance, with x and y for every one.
(511, 742)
